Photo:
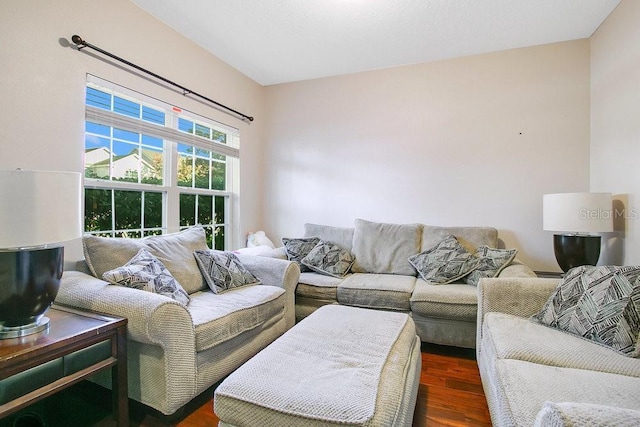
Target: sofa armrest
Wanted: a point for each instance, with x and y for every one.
(275, 272)
(574, 414)
(519, 296)
(146, 312)
(517, 269)
(279, 253)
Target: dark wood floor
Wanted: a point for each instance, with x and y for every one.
(450, 394)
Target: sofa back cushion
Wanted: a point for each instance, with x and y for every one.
(469, 237)
(341, 236)
(385, 248)
(175, 251)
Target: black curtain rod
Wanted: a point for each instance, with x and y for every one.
(80, 43)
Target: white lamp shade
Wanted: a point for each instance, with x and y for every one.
(39, 208)
(578, 212)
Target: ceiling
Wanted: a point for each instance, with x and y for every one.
(279, 41)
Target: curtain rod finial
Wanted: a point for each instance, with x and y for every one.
(77, 39)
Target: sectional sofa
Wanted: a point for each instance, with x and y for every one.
(178, 349)
(537, 375)
(381, 277)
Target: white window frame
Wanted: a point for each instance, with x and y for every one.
(172, 137)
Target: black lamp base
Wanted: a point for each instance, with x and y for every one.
(573, 251)
(29, 282)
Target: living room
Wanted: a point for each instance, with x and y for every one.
(472, 141)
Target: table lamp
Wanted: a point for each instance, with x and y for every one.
(38, 210)
(575, 216)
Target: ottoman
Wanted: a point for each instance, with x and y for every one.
(339, 366)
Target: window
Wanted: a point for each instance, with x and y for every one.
(152, 168)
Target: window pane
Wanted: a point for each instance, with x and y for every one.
(185, 171)
(206, 154)
(152, 166)
(205, 209)
(185, 149)
(187, 209)
(153, 116)
(203, 131)
(97, 98)
(219, 136)
(202, 173)
(128, 209)
(219, 219)
(152, 210)
(185, 125)
(97, 157)
(126, 107)
(152, 141)
(126, 135)
(97, 210)
(97, 129)
(219, 238)
(218, 175)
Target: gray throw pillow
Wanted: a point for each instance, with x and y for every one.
(174, 250)
(223, 270)
(341, 236)
(444, 263)
(600, 303)
(384, 248)
(299, 248)
(491, 262)
(329, 258)
(147, 273)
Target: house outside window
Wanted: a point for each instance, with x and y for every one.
(152, 168)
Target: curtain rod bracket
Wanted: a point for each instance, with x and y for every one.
(81, 44)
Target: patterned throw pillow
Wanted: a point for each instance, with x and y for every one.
(223, 270)
(329, 258)
(491, 262)
(144, 271)
(446, 262)
(598, 303)
(299, 248)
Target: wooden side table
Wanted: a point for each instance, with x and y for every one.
(77, 345)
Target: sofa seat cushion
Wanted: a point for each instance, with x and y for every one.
(220, 317)
(513, 337)
(457, 301)
(524, 388)
(316, 285)
(386, 291)
(568, 414)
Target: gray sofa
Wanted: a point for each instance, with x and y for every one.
(536, 375)
(177, 351)
(382, 277)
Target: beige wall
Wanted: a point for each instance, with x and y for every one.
(43, 83)
(470, 141)
(615, 125)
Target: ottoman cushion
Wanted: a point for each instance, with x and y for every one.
(340, 365)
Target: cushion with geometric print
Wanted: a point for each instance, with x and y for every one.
(444, 263)
(223, 270)
(492, 262)
(144, 271)
(298, 248)
(329, 258)
(601, 304)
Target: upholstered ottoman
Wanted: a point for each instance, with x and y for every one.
(340, 365)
